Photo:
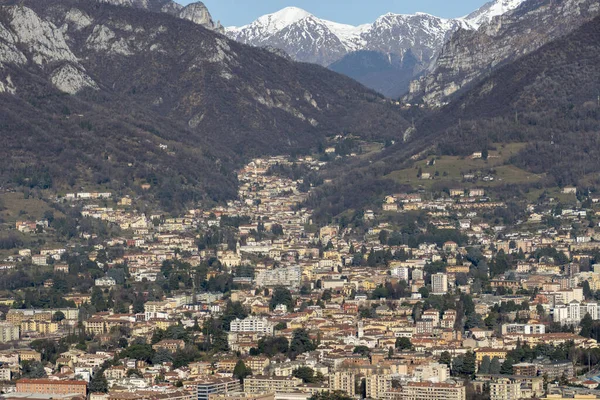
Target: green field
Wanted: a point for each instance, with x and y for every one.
(14, 207)
(452, 168)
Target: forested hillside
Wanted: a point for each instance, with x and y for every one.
(548, 100)
(122, 96)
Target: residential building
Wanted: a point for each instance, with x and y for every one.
(9, 332)
(51, 387)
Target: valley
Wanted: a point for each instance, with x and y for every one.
(296, 208)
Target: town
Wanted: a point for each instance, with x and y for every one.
(431, 296)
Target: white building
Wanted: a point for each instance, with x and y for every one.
(289, 277)
(527, 329)
(573, 313)
(439, 283)
(253, 324)
(105, 281)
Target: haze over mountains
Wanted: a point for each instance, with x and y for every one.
(308, 38)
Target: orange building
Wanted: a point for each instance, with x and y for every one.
(47, 386)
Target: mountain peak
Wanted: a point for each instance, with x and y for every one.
(283, 18)
(490, 10)
(198, 14)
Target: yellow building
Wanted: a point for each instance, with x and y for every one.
(343, 381)
(491, 353)
(270, 384)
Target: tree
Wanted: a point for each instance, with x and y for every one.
(305, 373)
(507, 366)
(283, 296)
(142, 352)
(58, 316)
(484, 368)
(97, 299)
(495, 366)
(362, 350)
(335, 395)
(403, 343)
(469, 363)
(446, 358)
(586, 326)
(240, 371)
(300, 343)
(33, 369)
(162, 356)
(271, 346)
(98, 383)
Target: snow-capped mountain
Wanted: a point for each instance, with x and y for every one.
(300, 34)
(308, 38)
(490, 10)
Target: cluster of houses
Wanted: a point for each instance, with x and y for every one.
(340, 302)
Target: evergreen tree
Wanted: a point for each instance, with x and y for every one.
(586, 326)
(484, 368)
(403, 343)
(162, 356)
(495, 366)
(98, 383)
(507, 366)
(445, 358)
(240, 370)
(283, 296)
(469, 364)
(300, 343)
(307, 374)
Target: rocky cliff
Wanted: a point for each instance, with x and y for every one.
(470, 55)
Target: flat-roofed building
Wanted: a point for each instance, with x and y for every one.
(9, 332)
(433, 391)
(208, 385)
(47, 386)
(270, 384)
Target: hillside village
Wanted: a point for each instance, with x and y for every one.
(426, 297)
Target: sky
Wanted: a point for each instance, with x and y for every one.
(353, 12)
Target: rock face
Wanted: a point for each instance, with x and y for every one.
(138, 80)
(71, 80)
(195, 12)
(198, 14)
(470, 55)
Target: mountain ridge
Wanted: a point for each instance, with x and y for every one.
(308, 38)
(122, 96)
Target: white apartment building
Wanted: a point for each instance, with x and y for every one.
(289, 277)
(253, 324)
(527, 329)
(439, 283)
(573, 312)
(8, 332)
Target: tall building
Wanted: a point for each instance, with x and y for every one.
(377, 384)
(8, 332)
(439, 283)
(288, 276)
(343, 381)
(252, 324)
(505, 389)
